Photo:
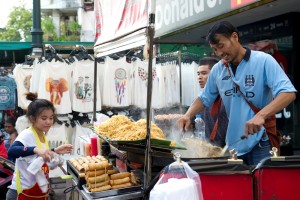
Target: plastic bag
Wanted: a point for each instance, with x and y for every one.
(178, 181)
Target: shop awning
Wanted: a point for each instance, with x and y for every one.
(14, 45)
(120, 25)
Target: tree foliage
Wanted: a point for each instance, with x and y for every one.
(48, 28)
(18, 26)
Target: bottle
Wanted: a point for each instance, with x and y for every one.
(199, 127)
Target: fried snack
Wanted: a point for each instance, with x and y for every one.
(94, 173)
(112, 171)
(120, 181)
(97, 179)
(120, 175)
(97, 166)
(79, 167)
(99, 189)
(121, 185)
(133, 179)
(72, 160)
(80, 161)
(96, 185)
(102, 158)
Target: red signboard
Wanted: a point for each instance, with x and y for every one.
(239, 3)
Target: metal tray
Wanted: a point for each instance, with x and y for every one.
(115, 192)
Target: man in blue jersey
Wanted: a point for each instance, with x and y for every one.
(216, 137)
(263, 83)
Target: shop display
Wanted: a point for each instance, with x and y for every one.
(95, 175)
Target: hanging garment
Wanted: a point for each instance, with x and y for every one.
(141, 83)
(117, 85)
(36, 75)
(57, 135)
(189, 83)
(22, 74)
(83, 87)
(161, 75)
(54, 85)
(7, 93)
(100, 72)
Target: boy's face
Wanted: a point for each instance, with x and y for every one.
(203, 72)
(9, 128)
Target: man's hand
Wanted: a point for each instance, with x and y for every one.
(184, 123)
(254, 125)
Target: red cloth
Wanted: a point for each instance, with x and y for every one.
(279, 57)
(35, 193)
(3, 151)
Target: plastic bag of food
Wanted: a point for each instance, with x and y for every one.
(178, 181)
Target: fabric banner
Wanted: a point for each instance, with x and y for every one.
(118, 18)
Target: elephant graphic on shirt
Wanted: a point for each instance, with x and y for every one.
(56, 89)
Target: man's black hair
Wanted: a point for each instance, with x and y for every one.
(223, 28)
(210, 61)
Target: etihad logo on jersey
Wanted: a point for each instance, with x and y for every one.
(234, 91)
(226, 78)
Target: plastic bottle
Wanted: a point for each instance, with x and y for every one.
(199, 127)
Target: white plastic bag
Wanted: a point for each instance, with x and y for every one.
(178, 181)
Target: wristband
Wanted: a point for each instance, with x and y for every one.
(53, 149)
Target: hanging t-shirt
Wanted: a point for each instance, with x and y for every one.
(54, 85)
(117, 84)
(141, 83)
(83, 87)
(22, 74)
(7, 93)
(100, 72)
(57, 135)
(36, 75)
(160, 70)
(22, 123)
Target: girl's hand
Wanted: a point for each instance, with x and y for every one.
(46, 154)
(64, 149)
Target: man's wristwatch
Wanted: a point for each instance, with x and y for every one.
(53, 149)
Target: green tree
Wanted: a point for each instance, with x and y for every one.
(70, 31)
(48, 28)
(18, 26)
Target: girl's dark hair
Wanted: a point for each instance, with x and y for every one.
(223, 28)
(210, 61)
(37, 105)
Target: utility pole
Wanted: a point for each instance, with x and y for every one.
(36, 32)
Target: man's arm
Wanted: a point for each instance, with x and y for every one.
(196, 107)
(280, 102)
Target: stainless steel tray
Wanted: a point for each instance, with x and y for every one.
(115, 192)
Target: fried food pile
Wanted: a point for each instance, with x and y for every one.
(119, 127)
(100, 175)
